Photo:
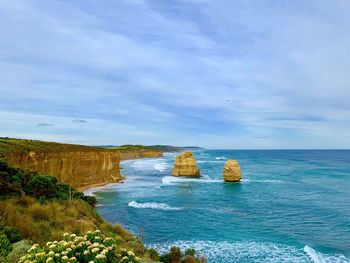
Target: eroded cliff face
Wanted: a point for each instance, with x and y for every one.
(232, 171)
(77, 168)
(185, 165)
(129, 154)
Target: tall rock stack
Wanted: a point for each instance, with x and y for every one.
(185, 165)
(232, 171)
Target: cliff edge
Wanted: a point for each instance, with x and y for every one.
(78, 165)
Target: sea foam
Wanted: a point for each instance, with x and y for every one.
(318, 257)
(152, 205)
(226, 252)
(174, 180)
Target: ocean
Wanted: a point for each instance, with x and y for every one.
(292, 205)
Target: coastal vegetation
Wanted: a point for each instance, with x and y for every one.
(162, 148)
(37, 212)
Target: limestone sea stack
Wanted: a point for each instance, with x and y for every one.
(232, 171)
(185, 165)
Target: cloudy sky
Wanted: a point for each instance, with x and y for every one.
(220, 73)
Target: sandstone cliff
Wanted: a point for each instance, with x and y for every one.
(232, 171)
(79, 169)
(130, 154)
(78, 165)
(185, 165)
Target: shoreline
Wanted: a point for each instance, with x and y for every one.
(87, 188)
(91, 186)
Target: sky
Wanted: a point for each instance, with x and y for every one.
(241, 74)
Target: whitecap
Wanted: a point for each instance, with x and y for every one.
(161, 167)
(261, 181)
(152, 205)
(221, 158)
(174, 180)
(226, 252)
(313, 254)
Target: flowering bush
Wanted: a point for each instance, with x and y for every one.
(94, 247)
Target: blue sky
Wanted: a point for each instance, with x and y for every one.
(220, 73)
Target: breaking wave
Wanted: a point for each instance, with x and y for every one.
(174, 180)
(152, 205)
(239, 252)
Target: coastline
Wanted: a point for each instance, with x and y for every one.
(88, 189)
(85, 188)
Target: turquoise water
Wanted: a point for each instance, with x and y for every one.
(292, 206)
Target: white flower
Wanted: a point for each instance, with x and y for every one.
(65, 234)
(73, 258)
(86, 252)
(97, 231)
(100, 256)
(94, 250)
(64, 257)
(49, 260)
(73, 235)
(130, 253)
(52, 246)
(91, 261)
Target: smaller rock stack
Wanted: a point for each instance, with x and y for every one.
(185, 165)
(232, 171)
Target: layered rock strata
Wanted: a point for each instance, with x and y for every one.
(232, 171)
(185, 165)
(77, 168)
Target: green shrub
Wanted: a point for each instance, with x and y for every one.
(176, 256)
(12, 234)
(5, 245)
(190, 252)
(19, 249)
(153, 254)
(94, 246)
(91, 200)
(42, 185)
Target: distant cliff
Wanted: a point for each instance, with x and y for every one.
(159, 148)
(130, 152)
(77, 165)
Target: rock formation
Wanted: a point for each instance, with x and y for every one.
(185, 165)
(79, 169)
(232, 171)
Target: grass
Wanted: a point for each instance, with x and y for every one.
(12, 145)
(48, 221)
